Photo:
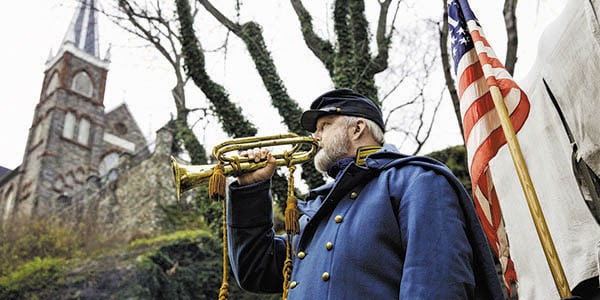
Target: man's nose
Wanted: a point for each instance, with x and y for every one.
(317, 135)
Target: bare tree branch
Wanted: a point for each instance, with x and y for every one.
(380, 62)
(321, 48)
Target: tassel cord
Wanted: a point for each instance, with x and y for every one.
(292, 227)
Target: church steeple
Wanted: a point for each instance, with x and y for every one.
(65, 143)
(83, 30)
(82, 36)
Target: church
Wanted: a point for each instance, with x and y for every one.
(80, 161)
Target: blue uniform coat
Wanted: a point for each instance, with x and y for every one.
(399, 227)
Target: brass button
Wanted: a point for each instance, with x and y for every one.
(293, 284)
(338, 219)
(329, 246)
(325, 276)
(353, 195)
(301, 254)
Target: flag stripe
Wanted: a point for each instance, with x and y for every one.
(481, 150)
(477, 68)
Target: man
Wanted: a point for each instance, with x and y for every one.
(388, 226)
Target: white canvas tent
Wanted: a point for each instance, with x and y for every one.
(568, 68)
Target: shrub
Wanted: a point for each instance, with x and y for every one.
(190, 235)
(28, 280)
(26, 240)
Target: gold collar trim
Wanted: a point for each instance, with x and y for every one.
(363, 152)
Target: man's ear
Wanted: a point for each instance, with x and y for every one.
(359, 129)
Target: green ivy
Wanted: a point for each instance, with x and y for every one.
(184, 136)
(230, 115)
(343, 66)
(288, 109)
(364, 81)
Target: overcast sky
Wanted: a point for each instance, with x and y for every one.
(138, 76)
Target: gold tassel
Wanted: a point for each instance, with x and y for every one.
(217, 183)
(224, 291)
(292, 227)
(291, 206)
(291, 216)
(287, 274)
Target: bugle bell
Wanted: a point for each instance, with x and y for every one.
(190, 176)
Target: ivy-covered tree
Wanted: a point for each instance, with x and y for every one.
(251, 34)
(140, 21)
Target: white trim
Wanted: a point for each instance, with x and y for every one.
(69, 47)
(117, 141)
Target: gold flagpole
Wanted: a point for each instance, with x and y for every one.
(560, 280)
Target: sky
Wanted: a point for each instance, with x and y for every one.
(139, 77)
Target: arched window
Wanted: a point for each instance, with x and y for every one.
(83, 84)
(38, 133)
(69, 180)
(84, 131)
(79, 175)
(108, 163)
(53, 84)
(10, 200)
(40, 130)
(59, 184)
(69, 128)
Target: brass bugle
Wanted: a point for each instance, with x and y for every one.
(190, 176)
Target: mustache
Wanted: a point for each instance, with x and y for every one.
(319, 146)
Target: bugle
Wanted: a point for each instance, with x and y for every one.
(190, 176)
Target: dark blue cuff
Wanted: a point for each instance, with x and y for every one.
(249, 205)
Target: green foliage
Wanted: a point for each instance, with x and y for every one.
(210, 209)
(185, 136)
(353, 64)
(456, 159)
(343, 65)
(185, 270)
(288, 109)
(24, 241)
(251, 33)
(191, 235)
(311, 176)
(183, 217)
(230, 115)
(201, 213)
(33, 279)
(364, 82)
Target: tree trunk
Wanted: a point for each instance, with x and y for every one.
(512, 39)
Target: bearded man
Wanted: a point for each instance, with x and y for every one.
(388, 226)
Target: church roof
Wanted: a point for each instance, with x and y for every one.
(3, 171)
(83, 30)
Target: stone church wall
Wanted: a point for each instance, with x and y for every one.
(128, 200)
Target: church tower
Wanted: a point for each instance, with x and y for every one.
(66, 135)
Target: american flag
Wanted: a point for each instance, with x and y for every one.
(477, 68)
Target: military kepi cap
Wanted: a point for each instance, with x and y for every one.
(341, 102)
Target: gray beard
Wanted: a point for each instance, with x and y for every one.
(336, 150)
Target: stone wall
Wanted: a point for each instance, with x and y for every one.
(128, 200)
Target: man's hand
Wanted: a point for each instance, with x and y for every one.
(261, 174)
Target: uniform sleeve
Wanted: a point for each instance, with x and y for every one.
(256, 254)
(438, 256)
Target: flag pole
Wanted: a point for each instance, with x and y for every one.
(560, 280)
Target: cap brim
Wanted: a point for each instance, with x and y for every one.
(309, 118)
